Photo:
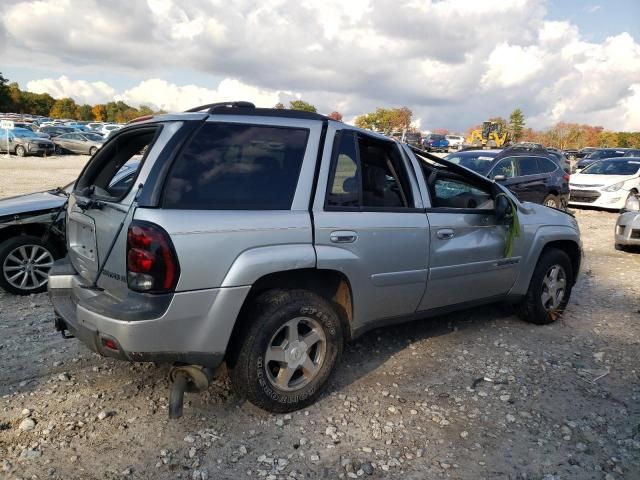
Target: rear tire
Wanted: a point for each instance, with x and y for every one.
(25, 254)
(286, 350)
(549, 290)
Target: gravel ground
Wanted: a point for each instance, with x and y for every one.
(474, 395)
(31, 174)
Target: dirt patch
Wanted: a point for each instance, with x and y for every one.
(478, 394)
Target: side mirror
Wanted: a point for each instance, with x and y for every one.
(499, 178)
(503, 207)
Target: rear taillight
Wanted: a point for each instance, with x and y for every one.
(566, 177)
(152, 265)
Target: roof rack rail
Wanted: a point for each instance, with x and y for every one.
(210, 107)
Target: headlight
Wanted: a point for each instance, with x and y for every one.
(633, 204)
(613, 188)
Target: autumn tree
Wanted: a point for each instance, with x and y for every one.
(386, 120)
(302, 105)
(516, 124)
(37, 103)
(63, 108)
(335, 116)
(99, 112)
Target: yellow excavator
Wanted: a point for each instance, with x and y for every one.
(492, 135)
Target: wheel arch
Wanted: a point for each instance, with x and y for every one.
(331, 285)
(35, 229)
(564, 238)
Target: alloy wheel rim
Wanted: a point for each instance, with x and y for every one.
(295, 354)
(554, 285)
(27, 266)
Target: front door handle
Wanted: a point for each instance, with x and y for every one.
(343, 236)
(445, 233)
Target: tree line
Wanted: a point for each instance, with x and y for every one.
(388, 120)
(15, 100)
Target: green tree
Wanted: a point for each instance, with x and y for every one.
(516, 124)
(64, 108)
(144, 110)
(83, 112)
(5, 100)
(37, 103)
(302, 105)
(279, 106)
(386, 120)
(15, 96)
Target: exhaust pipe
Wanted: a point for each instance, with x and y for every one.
(186, 378)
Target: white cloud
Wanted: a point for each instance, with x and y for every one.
(453, 62)
(593, 8)
(170, 97)
(80, 90)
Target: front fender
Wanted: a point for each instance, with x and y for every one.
(544, 235)
(255, 263)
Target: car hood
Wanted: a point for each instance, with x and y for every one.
(32, 202)
(597, 180)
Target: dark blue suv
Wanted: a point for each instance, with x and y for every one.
(532, 174)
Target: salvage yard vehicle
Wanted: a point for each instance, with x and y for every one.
(86, 143)
(32, 234)
(533, 175)
(23, 142)
(435, 142)
(268, 238)
(606, 183)
(627, 232)
(600, 154)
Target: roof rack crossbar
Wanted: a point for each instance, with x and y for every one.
(210, 107)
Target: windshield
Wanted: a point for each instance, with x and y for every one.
(436, 138)
(598, 154)
(478, 162)
(613, 167)
(23, 133)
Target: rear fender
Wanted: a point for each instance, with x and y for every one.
(255, 263)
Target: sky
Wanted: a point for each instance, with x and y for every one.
(454, 63)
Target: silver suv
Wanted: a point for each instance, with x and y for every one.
(266, 239)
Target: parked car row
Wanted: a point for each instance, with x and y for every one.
(23, 142)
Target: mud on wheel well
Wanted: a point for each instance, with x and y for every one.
(573, 252)
(37, 230)
(329, 284)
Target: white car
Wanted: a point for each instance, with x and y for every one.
(606, 183)
(108, 129)
(455, 141)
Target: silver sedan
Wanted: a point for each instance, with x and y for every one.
(87, 143)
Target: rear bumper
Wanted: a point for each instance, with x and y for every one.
(193, 328)
(627, 230)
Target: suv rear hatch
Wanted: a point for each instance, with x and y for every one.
(100, 207)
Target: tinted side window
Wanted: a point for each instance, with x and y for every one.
(368, 172)
(237, 167)
(528, 166)
(546, 166)
(456, 193)
(506, 167)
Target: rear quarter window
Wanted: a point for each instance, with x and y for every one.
(230, 166)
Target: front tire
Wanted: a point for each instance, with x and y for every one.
(549, 290)
(25, 262)
(283, 357)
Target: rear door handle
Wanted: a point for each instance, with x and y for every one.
(343, 236)
(445, 233)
